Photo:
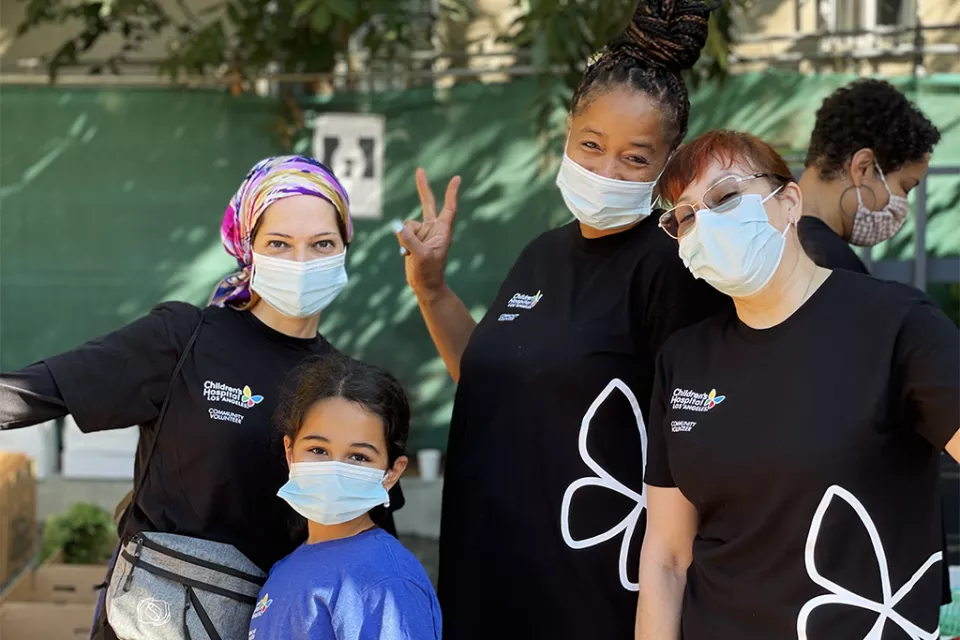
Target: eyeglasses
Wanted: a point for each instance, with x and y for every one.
(722, 197)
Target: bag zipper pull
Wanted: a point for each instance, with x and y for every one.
(136, 556)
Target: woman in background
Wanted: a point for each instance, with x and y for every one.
(869, 148)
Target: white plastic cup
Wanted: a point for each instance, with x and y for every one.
(429, 462)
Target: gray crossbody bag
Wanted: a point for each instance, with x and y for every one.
(172, 587)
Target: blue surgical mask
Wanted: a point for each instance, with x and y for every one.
(736, 252)
(333, 492)
(299, 289)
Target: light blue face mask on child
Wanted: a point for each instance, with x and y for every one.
(333, 492)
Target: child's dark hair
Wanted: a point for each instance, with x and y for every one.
(338, 376)
(869, 114)
(663, 39)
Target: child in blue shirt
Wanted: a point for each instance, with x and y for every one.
(345, 427)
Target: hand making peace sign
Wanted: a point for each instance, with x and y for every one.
(428, 241)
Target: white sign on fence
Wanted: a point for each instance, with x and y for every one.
(352, 145)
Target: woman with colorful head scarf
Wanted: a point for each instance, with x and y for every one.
(218, 461)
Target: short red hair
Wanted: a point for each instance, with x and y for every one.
(724, 146)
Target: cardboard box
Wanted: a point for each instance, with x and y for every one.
(39, 442)
(56, 602)
(18, 514)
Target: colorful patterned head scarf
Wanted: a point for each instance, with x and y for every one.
(271, 180)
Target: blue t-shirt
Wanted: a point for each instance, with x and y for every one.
(364, 587)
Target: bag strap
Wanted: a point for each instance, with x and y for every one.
(140, 563)
(205, 620)
(138, 485)
(146, 542)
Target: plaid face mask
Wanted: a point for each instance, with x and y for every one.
(873, 227)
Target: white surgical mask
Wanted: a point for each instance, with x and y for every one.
(333, 492)
(299, 289)
(873, 227)
(603, 203)
(736, 252)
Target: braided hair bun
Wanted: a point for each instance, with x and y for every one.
(663, 39)
(665, 33)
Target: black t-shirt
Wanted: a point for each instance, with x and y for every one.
(826, 248)
(811, 452)
(830, 251)
(219, 461)
(543, 497)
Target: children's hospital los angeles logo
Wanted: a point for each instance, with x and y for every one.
(219, 392)
(523, 301)
(520, 301)
(686, 400)
(240, 397)
(262, 606)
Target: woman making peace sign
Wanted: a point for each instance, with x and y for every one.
(543, 496)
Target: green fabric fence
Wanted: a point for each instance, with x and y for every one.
(110, 201)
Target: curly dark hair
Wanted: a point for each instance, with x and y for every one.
(338, 376)
(663, 39)
(869, 114)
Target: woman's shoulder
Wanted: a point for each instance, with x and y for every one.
(875, 295)
(177, 310)
(395, 561)
(547, 241)
(170, 322)
(697, 337)
(177, 314)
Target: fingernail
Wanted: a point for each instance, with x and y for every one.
(397, 226)
(403, 251)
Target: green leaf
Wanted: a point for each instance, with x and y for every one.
(320, 20)
(304, 7)
(233, 13)
(212, 9)
(346, 9)
(85, 533)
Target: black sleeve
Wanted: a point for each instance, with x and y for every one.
(119, 380)
(658, 464)
(673, 299)
(28, 397)
(826, 248)
(927, 368)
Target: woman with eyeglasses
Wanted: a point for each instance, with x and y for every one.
(794, 441)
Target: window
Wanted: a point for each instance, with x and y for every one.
(854, 15)
(896, 13)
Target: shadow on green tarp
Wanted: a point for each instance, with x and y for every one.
(111, 201)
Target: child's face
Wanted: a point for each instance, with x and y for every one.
(339, 430)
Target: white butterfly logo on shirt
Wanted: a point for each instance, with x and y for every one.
(628, 525)
(839, 595)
